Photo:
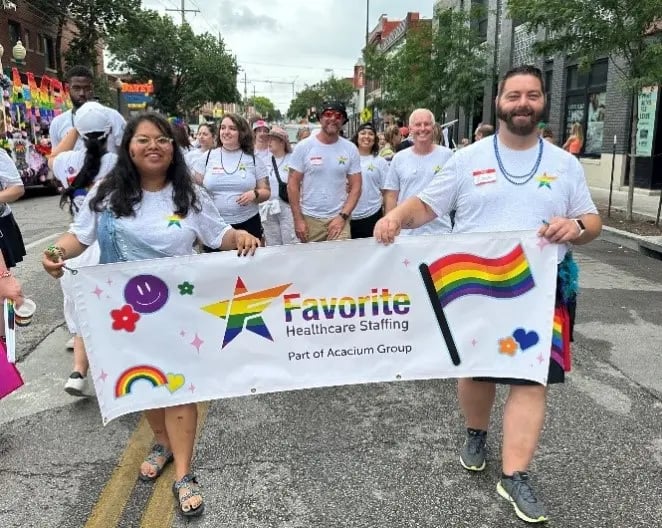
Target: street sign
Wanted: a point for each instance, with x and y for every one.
(366, 115)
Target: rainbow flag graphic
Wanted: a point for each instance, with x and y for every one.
(460, 274)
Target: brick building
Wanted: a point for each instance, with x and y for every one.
(595, 99)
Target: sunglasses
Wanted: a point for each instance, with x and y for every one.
(333, 114)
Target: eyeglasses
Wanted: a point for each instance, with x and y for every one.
(144, 141)
(333, 114)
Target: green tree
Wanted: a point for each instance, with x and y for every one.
(187, 70)
(625, 31)
(311, 97)
(264, 107)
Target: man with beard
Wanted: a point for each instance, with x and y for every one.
(414, 168)
(324, 183)
(512, 181)
(81, 90)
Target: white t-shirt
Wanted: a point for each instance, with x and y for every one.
(9, 177)
(283, 165)
(227, 176)
(485, 201)
(410, 173)
(65, 122)
(67, 165)
(325, 169)
(192, 156)
(156, 224)
(264, 155)
(373, 174)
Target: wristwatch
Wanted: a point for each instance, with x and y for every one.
(344, 216)
(580, 226)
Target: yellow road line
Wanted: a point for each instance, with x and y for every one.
(160, 509)
(113, 498)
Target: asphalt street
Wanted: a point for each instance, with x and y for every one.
(377, 456)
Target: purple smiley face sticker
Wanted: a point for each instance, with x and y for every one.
(146, 293)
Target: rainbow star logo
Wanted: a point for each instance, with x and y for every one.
(545, 180)
(174, 219)
(371, 168)
(244, 310)
(437, 169)
(342, 160)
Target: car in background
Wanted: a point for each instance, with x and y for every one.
(293, 128)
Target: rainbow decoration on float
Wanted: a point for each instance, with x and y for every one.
(461, 274)
(139, 373)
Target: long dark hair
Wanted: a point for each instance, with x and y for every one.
(374, 150)
(245, 133)
(95, 148)
(121, 188)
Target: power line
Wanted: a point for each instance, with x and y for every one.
(183, 11)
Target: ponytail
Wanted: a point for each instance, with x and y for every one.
(95, 145)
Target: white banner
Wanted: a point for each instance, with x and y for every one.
(170, 331)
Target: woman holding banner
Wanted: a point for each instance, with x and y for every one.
(129, 213)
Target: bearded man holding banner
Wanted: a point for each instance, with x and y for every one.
(511, 181)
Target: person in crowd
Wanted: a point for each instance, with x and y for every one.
(276, 213)
(261, 138)
(412, 169)
(438, 135)
(206, 142)
(482, 131)
(10, 287)
(81, 90)
(236, 179)
(182, 138)
(464, 142)
(405, 140)
(11, 239)
(373, 173)
(125, 213)
(324, 184)
(381, 141)
(392, 137)
(77, 171)
(575, 141)
(548, 134)
(303, 133)
(511, 201)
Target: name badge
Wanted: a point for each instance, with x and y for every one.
(217, 170)
(484, 176)
(316, 161)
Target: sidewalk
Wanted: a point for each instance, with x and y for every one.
(644, 206)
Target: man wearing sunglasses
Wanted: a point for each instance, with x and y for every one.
(324, 181)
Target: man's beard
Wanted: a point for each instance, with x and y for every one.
(524, 129)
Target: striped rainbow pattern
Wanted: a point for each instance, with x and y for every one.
(461, 274)
(141, 372)
(557, 352)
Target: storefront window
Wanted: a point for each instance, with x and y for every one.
(586, 104)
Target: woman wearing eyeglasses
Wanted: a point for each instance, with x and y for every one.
(236, 179)
(129, 213)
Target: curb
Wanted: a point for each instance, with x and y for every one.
(650, 246)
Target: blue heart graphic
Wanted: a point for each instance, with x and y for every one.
(526, 339)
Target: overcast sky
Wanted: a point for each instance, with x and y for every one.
(290, 41)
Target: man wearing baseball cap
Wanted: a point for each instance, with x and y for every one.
(324, 184)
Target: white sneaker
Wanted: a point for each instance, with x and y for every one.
(70, 344)
(76, 384)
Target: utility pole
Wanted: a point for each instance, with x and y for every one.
(183, 11)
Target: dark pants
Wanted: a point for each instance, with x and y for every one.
(253, 226)
(365, 227)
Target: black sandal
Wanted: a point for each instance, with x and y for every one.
(190, 483)
(157, 451)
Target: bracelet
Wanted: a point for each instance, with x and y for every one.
(55, 251)
(5, 274)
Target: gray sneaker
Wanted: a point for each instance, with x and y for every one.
(518, 491)
(473, 452)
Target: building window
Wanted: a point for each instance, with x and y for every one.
(27, 41)
(548, 76)
(49, 52)
(40, 43)
(14, 32)
(586, 104)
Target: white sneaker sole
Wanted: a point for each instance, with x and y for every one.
(473, 468)
(502, 491)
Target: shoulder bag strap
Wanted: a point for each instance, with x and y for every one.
(273, 162)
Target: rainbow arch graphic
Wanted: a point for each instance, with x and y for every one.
(138, 373)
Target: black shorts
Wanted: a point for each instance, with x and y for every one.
(253, 226)
(11, 241)
(364, 227)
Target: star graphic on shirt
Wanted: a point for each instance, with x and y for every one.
(242, 167)
(243, 311)
(342, 160)
(175, 219)
(545, 180)
(371, 167)
(437, 169)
